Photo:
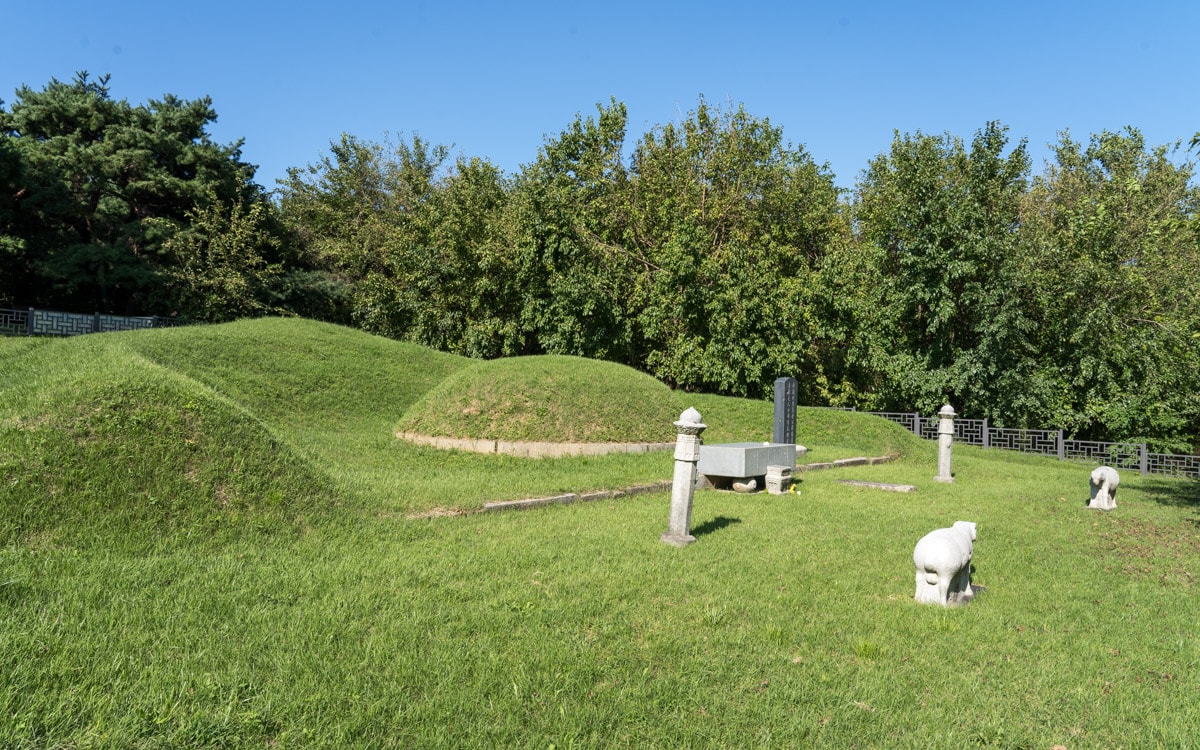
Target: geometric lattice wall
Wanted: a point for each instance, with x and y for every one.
(31, 322)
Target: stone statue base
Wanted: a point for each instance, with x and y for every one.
(678, 540)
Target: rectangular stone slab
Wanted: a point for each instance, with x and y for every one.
(744, 459)
(879, 485)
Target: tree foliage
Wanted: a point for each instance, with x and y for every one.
(224, 263)
(566, 213)
(15, 273)
(731, 222)
(1111, 253)
(103, 184)
(709, 252)
(416, 245)
(1066, 299)
(943, 302)
(695, 260)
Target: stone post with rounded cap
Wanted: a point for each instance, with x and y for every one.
(945, 439)
(683, 484)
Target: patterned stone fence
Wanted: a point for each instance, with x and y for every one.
(33, 322)
(1133, 456)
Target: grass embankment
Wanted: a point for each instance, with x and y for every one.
(97, 442)
(187, 623)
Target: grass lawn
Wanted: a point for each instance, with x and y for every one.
(204, 543)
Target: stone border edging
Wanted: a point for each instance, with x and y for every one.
(878, 485)
(860, 461)
(523, 449)
(662, 486)
(572, 497)
(640, 489)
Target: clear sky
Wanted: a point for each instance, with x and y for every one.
(494, 79)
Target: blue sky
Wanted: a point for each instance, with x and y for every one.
(494, 79)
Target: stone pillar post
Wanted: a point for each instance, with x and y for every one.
(945, 439)
(683, 484)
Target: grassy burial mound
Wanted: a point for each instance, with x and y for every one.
(98, 443)
(547, 399)
(263, 422)
(302, 375)
(219, 423)
(253, 425)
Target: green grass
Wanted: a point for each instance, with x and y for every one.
(306, 611)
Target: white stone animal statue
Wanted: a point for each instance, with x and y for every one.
(943, 560)
(1104, 488)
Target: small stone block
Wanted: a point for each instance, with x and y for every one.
(779, 472)
(779, 479)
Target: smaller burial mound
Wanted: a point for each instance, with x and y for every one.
(546, 398)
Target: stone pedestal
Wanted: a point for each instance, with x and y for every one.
(945, 440)
(683, 483)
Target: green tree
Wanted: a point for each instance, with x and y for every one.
(103, 184)
(424, 250)
(224, 263)
(727, 224)
(1113, 253)
(14, 270)
(458, 285)
(565, 212)
(695, 261)
(941, 307)
(356, 214)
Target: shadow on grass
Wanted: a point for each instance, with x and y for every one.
(715, 524)
(1176, 493)
(11, 592)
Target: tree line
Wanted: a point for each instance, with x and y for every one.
(709, 252)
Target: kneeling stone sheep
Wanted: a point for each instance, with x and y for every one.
(943, 560)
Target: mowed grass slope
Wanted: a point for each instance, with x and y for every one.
(272, 594)
(96, 441)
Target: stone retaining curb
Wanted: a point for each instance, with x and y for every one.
(879, 485)
(665, 485)
(860, 461)
(572, 497)
(640, 489)
(529, 449)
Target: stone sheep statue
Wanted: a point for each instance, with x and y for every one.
(943, 560)
(1104, 488)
